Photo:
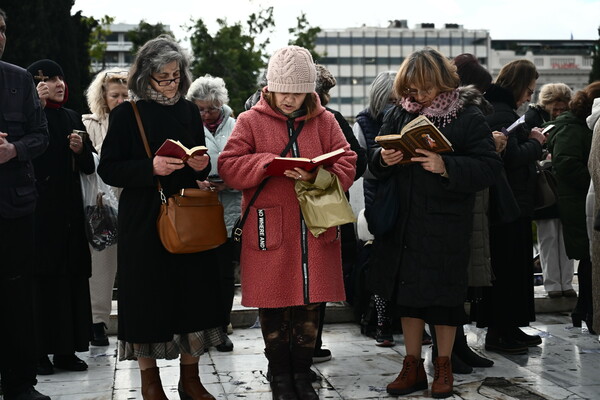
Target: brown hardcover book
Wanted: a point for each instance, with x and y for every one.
(419, 133)
(174, 148)
(281, 164)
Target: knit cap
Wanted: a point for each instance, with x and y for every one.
(291, 70)
(325, 80)
(48, 68)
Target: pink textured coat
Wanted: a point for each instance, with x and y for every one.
(274, 277)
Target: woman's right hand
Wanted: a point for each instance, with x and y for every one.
(163, 166)
(536, 133)
(500, 140)
(391, 156)
(43, 92)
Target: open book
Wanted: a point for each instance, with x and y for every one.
(174, 148)
(513, 127)
(281, 164)
(419, 133)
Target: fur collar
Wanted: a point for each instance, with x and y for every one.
(469, 95)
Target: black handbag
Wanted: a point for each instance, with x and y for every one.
(546, 188)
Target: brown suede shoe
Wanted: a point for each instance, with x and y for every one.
(411, 378)
(443, 380)
(151, 385)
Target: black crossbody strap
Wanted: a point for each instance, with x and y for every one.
(238, 231)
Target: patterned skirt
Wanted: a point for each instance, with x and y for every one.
(193, 344)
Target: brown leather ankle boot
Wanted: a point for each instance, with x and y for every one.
(190, 387)
(151, 385)
(411, 378)
(443, 379)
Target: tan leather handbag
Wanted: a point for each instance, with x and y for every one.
(190, 221)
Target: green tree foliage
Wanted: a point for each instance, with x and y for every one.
(305, 36)
(98, 40)
(38, 29)
(595, 73)
(145, 32)
(234, 53)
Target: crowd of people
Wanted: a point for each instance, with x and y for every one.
(460, 223)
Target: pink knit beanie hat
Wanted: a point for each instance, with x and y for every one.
(291, 70)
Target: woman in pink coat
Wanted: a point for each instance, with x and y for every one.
(285, 270)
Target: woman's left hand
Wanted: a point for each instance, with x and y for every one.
(431, 161)
(75, 143)
(301, 175)
(198, 163)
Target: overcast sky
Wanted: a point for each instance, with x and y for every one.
(505, 19)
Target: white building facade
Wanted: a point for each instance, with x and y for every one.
(356, 55)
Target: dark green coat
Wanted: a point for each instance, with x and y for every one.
(570, 143)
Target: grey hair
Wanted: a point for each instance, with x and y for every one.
(2, 14)
(553, 92)
(151, 58)
(210, 89)
(380, 92)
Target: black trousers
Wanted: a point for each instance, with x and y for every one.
(18, 352)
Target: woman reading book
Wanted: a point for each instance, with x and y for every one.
(421, 264)
(286, 272)
(166, 301)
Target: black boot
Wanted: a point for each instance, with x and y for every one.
(465, 353)
(275, 326)
(499, 340)
(305, 324)
(283, 388)
(99, 337)
(458, 365)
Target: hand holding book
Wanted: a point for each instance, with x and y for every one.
(174, 148)
(280, 165)
(419, 133)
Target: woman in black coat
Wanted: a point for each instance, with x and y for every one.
(508, 304)
(421, 264)
(166, 301)
(63, 261)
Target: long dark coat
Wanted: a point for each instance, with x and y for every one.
(160, 294)
(63, 261)
(423, 261)
(570, 142)
(509, 302)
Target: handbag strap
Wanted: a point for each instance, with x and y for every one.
(136, 112)
(237, 233)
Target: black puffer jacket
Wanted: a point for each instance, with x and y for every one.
(423, 261)
(520, 154)
(370, 126)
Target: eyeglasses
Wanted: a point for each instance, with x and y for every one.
(415, 92)
(210, 110)
(165, 82)
(530, 91)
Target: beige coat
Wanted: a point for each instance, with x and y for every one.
(594, 167)
(96, 127)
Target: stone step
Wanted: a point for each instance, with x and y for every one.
(243, 317)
